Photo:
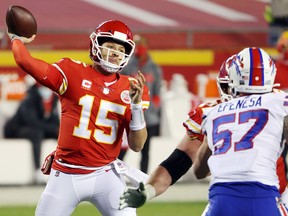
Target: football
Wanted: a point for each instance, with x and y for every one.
(20, 21)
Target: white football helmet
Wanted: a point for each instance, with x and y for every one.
(223, 79)
(252, 71)
(115, 31)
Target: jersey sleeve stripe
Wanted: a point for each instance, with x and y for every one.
(64, 84)
(145, 104)
(193, 126)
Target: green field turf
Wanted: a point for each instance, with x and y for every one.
(150, 209)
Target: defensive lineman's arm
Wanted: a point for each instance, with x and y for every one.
(200, 167)
(166, 174)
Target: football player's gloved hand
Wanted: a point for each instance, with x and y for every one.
(136, 197)
(23, 39)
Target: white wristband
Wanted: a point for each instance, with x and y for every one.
(137, 119)
(150, 192)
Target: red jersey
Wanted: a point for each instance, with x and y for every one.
(95, 109)
(281, 75)
(194, 120)
(94, 115)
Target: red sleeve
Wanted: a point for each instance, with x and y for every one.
(281, 174)
(193, 124)
(40, 70)
(145, 98)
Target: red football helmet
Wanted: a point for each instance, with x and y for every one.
(115, 31)
(223, 79)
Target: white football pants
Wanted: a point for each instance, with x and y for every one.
(64, 192)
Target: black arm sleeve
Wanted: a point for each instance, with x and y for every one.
(177, 164)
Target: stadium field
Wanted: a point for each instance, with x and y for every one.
(150, 209)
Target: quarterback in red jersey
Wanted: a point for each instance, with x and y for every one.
(97, 104)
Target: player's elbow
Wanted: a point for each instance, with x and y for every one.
(199, 175)
(136, 147)
(199, 172)
(136, 139)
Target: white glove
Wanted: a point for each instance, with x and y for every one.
(23, 39)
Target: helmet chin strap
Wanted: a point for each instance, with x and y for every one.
(108, 67)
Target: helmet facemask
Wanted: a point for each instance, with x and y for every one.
(223, 80)
(96, 49)
(223, 89)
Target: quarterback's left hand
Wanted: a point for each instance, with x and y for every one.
(134, 198)
(136, 88)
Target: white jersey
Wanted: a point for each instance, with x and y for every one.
(244, 135)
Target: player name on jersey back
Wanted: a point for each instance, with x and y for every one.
(245, 102)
